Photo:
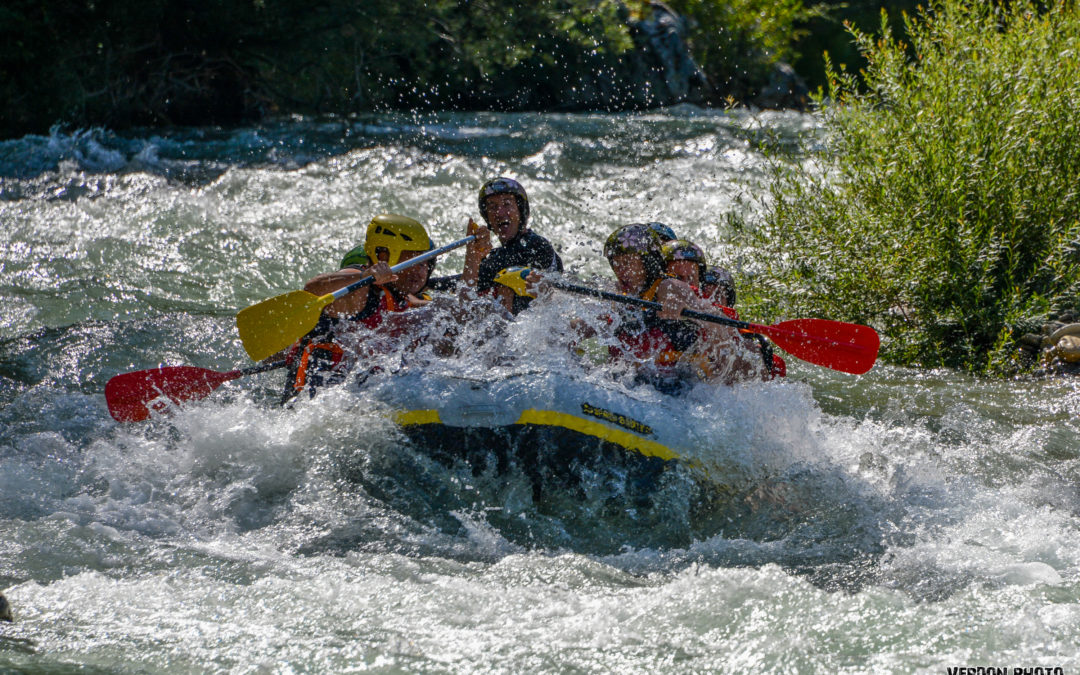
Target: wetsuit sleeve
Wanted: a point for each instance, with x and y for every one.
(531, 250)
(489, 267)
(545, 256)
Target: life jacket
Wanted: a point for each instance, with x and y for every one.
(317, 360)
(653, 339)
(371, 316)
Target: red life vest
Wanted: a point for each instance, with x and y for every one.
(659, 341)
(316, 360)
(372, 316)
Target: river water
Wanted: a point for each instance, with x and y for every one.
(902, 521)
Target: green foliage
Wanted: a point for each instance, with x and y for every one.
(823, 32)
(736, 42)
(945, 209)
(222, 61)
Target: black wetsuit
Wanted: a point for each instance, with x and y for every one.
(528, 250)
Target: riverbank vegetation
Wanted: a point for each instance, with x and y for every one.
(944, 208)
(119, 63)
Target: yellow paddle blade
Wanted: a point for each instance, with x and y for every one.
(272, 325)
(514, 279)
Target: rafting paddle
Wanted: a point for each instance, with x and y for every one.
(846, 347)
(272, 325)
(130, 395)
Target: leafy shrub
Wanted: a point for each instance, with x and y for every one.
(944, 208)
(736, 42)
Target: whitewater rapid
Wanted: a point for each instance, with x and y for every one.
(901, 521)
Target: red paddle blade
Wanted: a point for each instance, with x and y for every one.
(847, 347)
(130, 396)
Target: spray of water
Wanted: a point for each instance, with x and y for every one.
(842, 520)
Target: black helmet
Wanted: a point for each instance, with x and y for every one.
(722, 279)
(505, 186)
(641, 240)
(666, 233)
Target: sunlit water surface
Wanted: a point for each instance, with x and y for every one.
(895, 522)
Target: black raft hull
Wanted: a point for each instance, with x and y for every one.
(557, 429)
(553, 457)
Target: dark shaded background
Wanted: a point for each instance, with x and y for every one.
(122, 63)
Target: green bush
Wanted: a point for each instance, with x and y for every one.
(944, 208)
(736, 42)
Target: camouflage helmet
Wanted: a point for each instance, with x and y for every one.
(680, 249)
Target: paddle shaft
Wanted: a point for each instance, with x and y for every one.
(847, 347)
(367, 281)
(646, 304)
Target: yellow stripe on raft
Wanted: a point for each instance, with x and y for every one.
(407, 418)
(598, 430)
(563, 420)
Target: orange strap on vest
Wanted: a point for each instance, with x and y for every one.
(650, 292)
(336, 354)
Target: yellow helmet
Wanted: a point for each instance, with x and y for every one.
(395, 234)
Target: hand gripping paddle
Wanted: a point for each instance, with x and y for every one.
(272, 325)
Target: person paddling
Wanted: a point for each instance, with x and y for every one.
(718, 285)
(661, 339)
(325, 354)
(504, 206)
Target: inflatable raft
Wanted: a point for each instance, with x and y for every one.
(544, 422)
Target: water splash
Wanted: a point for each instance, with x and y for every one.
(901, 519)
